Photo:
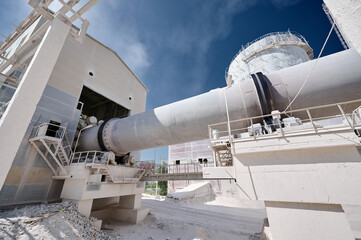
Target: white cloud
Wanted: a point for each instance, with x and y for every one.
(136, 56)
(212, 22)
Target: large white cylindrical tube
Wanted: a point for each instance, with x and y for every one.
(335, 78)
(182, 121)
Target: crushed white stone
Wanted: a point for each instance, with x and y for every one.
(50, 221)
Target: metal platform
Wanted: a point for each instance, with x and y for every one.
(174, 172)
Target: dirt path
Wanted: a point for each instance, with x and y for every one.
(172, 220)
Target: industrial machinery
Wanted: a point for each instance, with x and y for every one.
(316, 143)
(325, 117)
(188, 120)
(266, 54)
(291, 143)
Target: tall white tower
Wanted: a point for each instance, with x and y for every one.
(269, 53)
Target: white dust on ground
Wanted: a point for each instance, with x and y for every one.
(219, 219)
(173, 220)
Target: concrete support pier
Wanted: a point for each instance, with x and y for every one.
(128, 210)
(105, 200)
(310, 221)
(304, 176)
(23, 104)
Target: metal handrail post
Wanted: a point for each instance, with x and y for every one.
(311, 120)
(228, 123)
(344, 116)
(280, 125)
(254, 134)
(77, 141)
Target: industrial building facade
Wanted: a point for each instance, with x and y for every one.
(88, 78)
(302, 161)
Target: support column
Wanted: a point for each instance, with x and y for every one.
(301, 221)
(129, 209)
(130, 201)
(85, 207)
(18, 114)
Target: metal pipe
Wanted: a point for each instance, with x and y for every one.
(77, 141)
(336, 78)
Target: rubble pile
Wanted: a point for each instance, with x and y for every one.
(49, 221)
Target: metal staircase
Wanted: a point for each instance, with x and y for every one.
(224, 156)
(51, 143)
(222, 151)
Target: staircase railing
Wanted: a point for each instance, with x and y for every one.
(51, 137)
(90, 157)
(43, 130)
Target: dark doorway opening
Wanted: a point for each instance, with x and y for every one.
(100, 107)
(52, 128)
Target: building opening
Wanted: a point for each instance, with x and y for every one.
(100, 107)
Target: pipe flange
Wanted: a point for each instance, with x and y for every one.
(106, 136)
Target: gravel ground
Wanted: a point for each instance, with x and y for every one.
(167, 220)
(49, 221)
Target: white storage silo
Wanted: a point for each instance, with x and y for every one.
(269, 53)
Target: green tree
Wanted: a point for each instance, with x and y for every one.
(163, 185)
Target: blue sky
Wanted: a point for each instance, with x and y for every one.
(181, 48)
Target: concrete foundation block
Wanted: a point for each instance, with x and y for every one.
(98, 224)
(102, 214)
(85, 206)
(266, 233)
(132, 216)
(307, 221)
(130, 201)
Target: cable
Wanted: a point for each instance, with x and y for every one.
(314, 64)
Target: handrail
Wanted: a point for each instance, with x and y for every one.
(296, 38)
(269, 126)
(191, 167)
(289, 112)
(289, 33)
(356, 113)
(59, 133)
(93, 156)
(283, 128)
(68, 142)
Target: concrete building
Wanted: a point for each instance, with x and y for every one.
(55, 80)
(347, 16)
(290, 137)
(199, 152)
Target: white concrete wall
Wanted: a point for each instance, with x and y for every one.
(29, 178)
(323, 174)
(111, 77)
(17, 117)
(299, 221)
(347, 15)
